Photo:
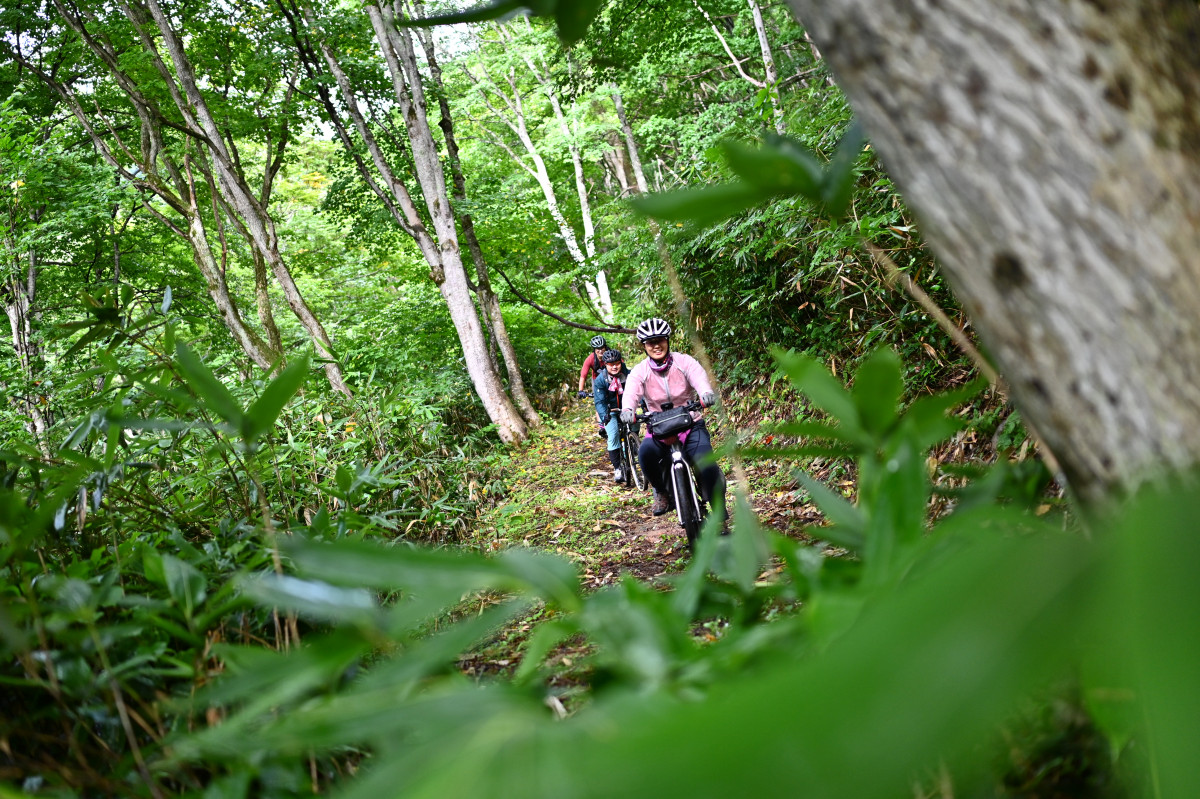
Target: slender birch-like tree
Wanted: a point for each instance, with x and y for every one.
(436, 239)
(159, 169)
(507, 105)
(206, 163)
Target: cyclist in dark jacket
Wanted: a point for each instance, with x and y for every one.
(607, 390)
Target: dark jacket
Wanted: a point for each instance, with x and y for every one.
(607, 393)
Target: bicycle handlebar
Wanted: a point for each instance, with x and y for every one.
(694, 405)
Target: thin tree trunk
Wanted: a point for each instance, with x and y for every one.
(772, 83)
(214, 280)
(147, 174)
(397, 49)
(635, 159)
(18, 306)
(1050, 152)
(254, 217)
(515, 121)
(598, 291)
(487, 297)
(262, 298)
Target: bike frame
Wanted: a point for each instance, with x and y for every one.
(629, 441)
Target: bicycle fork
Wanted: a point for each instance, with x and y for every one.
(683, 485)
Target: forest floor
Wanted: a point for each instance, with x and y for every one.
(562, 498)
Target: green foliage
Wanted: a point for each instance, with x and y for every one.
(116, 551)
(209, 578)
(907, 655)
(782, 167)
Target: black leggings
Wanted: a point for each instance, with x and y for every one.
(656, 459)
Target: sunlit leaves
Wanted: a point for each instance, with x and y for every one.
(781, 167)
(256, 420)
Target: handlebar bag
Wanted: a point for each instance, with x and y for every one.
(665, 424)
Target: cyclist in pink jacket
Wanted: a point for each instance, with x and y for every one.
(673, 378)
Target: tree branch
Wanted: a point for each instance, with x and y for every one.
(555, 316)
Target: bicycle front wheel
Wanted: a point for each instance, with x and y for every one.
(633, 469)
(687, 504)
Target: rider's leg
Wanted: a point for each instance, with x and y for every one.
(614, 433)
(614, 446)
(654, 458)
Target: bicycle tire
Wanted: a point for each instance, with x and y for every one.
(633, 468)
(686, 504)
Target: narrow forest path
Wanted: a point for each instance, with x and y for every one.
(562, 498)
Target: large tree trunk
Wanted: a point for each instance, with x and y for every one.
(1051, 152)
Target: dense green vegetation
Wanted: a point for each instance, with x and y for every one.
(245, 553)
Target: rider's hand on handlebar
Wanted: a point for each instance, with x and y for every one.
(708, 399)
(627, 416)
(582, 394)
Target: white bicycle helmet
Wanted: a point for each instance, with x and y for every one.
(653, 328)
(598, 343)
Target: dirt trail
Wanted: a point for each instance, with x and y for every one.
(563, 498)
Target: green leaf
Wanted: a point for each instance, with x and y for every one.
(927, 415)
(344, 479)
(548, 576)
(878, 385)
(418, 569)
(212, 392)
(689, 587)
(702, 206)
(748, 547)
(780, 166)
(495, 10)
(1154, 566)
(185, 584)
(152, 566)
(543, 639)
(851, 523)
(314, 599)
(261, 415)
(838, 184)
(573, 18)
(822, 388)
(924, 676)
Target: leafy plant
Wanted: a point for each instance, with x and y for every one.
(912, 656)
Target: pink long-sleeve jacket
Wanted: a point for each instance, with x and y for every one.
(682, 383)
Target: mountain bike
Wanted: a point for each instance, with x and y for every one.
(631, 468)
(665, 427)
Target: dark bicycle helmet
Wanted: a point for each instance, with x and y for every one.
(598, 342)
(611, 356)
(653, 328)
